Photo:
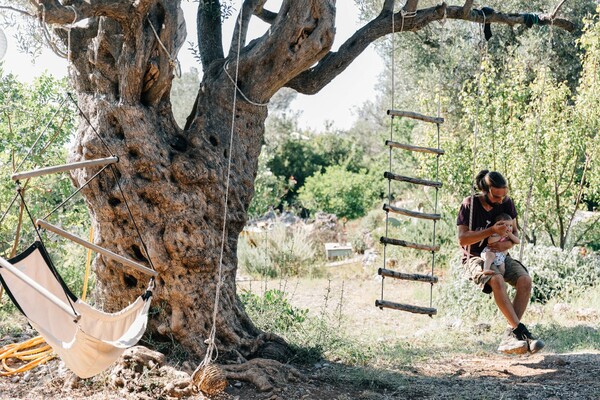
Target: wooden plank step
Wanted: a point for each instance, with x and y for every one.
(414, 148)
(407, 277)
(413, 115)
(410, 213)
(416, 181)
(417, 246)
(62, 168)
(405, 307)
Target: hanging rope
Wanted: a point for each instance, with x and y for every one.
(483, 49)
(211, 349)
(437, 162)
(173, 62)
(535, 143)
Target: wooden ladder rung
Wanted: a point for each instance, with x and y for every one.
(65, 167)
(416, 181)
(413, 115)
(410, 213)
(407, 277)
(397, 242)
(405, 307)
(414, 148)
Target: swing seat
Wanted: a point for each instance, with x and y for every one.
(86, 339)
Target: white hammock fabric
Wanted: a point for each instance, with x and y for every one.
(87, 345)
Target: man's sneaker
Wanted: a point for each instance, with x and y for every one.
(522, 333)
(510, 344)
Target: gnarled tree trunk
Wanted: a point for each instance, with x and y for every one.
(174, 180)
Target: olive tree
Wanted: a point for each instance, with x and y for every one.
(176, 179)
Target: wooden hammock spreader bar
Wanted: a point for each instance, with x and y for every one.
(413, 115)
(397, 242)
(38, 288)
(414, 148)
(416, 181)
(405, 307)
(407, 277)
(65, 167)
(410, 213)
(96, 248)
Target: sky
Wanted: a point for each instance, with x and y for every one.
(336, 103)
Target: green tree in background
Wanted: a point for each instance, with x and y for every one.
(341, 192)
(29, 110)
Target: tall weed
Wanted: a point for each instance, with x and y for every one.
(279, 251)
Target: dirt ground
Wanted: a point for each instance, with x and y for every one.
(485, 374)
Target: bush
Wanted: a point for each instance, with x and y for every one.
(559, 274)
(341, 192)
(280, 251)
(272, 311)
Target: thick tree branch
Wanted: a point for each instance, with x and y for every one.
(210, 35)
(241, 27)
(466, 9)
(334, 63)
(54, 12)
(411, 6)
(388, 6)
(265, 15)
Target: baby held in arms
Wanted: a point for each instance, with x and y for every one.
(494, 261)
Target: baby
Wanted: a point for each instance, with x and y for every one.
(497, 259)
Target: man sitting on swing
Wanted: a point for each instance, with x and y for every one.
(473, 237)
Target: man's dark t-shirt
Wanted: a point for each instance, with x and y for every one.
(482, 219)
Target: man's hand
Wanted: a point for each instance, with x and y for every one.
(500, 228)
(500, 246)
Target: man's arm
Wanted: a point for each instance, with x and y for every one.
(467, 237)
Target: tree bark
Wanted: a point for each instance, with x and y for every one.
(173, 181)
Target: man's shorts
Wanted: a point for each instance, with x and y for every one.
(514, 269)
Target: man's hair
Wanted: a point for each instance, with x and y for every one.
(486, 179)
(503, 217)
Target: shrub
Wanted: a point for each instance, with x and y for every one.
(272, 311)
(560, 274)
(341, 192)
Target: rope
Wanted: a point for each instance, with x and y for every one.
(88, 267)
(69, 39)
(211, 349)
(91, 126)
(135, 225)
(40, 135)
(437, 166)
(404, 14)
(33, 351)
(75, 192)
(482, 51)
(535, 148)
(237, 87)
(37, 231)
(173, 62)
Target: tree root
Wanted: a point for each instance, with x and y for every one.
(266, 375)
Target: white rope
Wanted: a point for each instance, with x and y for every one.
(174, 62)
(48, 36)
(69, 40)
(482, 49)
(234, 81)
(535, 149)
(212, 352)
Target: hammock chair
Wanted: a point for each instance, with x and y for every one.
(87, 340)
